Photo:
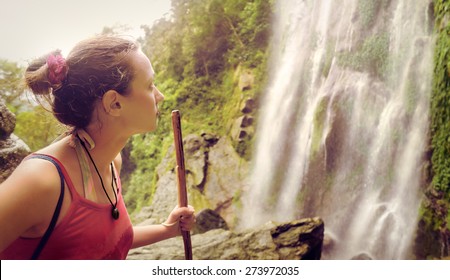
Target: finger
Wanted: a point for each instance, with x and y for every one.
(184, 211)
(187, 227)
(178, 211)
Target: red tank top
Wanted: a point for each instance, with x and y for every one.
(87, 232)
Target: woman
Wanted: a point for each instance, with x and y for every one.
(65, 201)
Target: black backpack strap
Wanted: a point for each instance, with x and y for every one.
(52, 224)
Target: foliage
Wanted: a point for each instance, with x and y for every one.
(116, 29)
(37, 127)
(440, 112)
(34, 125)
(373, 55)
(195, 58)
(11, 75)
(435, 214)
(319, 122)
(368, 10)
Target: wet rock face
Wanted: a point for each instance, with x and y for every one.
(12, 149)
(215, 175)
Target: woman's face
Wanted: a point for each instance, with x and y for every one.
(141, 103)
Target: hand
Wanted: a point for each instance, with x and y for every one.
(184, 216)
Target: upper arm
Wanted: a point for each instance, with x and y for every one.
(27, 199)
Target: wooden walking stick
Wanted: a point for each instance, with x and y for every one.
(181, 176)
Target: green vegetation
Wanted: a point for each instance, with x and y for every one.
(319, 122)
(198, 57)
(11, 75)
(329, 55)
(34, 124)
(440, 105)
(435, 215)
(198, 60)
(372, 55)
(37, 127)
(368, 10)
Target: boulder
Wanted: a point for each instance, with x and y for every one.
(207, 220)
(297, 240)
(7, 121)
(12, 149)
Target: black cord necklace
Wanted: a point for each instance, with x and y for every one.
(114, 212)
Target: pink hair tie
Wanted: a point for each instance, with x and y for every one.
(57, 69)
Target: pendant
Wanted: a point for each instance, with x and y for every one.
(115, 213)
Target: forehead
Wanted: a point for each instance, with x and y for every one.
(142, 67)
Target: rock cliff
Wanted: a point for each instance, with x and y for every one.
(215, 176)
(12, 149)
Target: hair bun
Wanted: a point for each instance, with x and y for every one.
(57, 70)
(38, 77)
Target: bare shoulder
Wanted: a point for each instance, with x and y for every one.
(35, 178)
(27, 198)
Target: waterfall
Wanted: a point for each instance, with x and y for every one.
(342, 130)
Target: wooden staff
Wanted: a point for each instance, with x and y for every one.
(181, 175)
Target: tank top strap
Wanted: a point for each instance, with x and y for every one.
(57, 210)
(63, 170)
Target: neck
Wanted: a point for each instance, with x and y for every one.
(108, 145)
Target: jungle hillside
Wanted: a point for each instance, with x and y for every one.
(212, 59)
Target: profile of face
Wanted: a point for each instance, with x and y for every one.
(140, 105)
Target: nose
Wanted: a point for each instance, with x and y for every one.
(158, 96)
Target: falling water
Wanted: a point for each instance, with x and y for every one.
(343, 126)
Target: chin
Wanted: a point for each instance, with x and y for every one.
(145, 130)
(151, 128)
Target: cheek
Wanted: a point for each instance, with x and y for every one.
(148, 105)
(150, 101)
(145, 99)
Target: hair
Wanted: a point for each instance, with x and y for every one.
(94, 66)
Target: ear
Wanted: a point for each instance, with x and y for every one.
(111, 103)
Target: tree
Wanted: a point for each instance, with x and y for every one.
(37, 127)
(195, 55)
(11, 86)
